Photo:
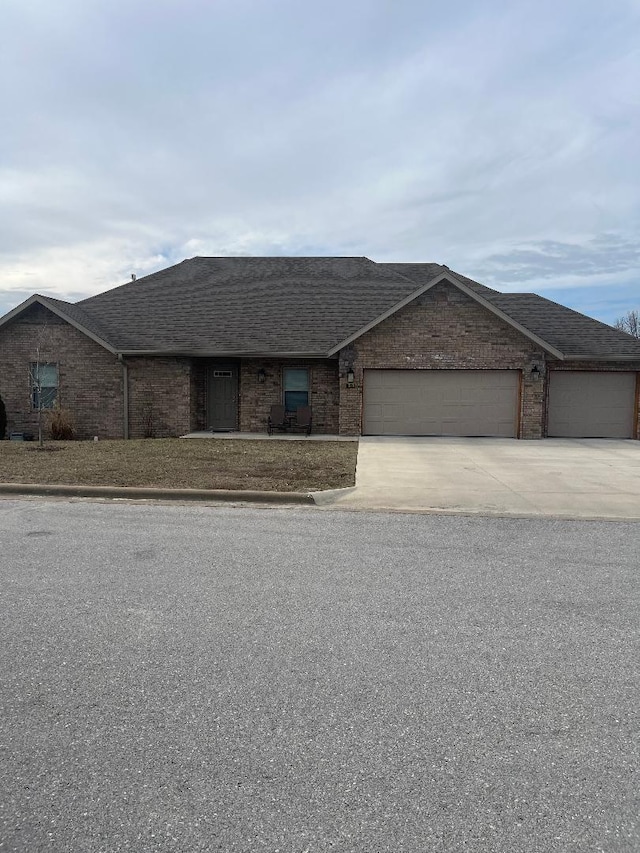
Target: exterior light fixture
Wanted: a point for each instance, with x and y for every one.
(351, 378)
(535, 372)
(262, 376)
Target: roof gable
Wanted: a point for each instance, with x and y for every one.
(424, 273)
(473, 293)
(66, 311)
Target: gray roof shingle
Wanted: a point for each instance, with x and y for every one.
(424, 273)
(572, 333)
(244, 305)
(74, 311)
(261, 305)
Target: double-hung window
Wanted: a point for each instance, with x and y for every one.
(44, 385)
(296, 388)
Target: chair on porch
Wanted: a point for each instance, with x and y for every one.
(277, 419)
(303, 419)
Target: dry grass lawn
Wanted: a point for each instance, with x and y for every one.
(281, 466)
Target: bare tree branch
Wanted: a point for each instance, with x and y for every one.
(37, 387)
(630, 323)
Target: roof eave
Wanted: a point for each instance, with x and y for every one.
(196, 353)
(600, 357)
(450, 277)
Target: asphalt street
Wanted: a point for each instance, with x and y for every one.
(299, 681)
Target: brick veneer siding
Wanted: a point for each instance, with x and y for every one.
(199, 368)
(168, 396)
(257, 398)
(89, 376)
(600, 366)
(445, 329)
(160, 398)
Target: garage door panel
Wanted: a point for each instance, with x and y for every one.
(376, 411)
(441, 402)
(586, 404)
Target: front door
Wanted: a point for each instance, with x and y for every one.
(222, 407)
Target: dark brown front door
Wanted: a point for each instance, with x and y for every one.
(222, 408)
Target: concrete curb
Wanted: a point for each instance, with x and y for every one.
(331, 496)
(145, 493)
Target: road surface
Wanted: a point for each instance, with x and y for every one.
(197, 679)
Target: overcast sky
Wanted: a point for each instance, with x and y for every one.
(501, 138)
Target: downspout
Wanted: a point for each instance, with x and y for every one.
(125, 396)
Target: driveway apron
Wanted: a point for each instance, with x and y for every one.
(576, 478)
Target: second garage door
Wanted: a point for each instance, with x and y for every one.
(441, 402)
(586, 404)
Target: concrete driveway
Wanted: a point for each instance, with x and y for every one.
(575, 478)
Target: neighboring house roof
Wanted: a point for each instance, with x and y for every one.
(305, 307)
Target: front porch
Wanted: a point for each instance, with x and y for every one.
(262, 436)
(233, 397)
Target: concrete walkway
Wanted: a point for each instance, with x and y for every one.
(277, 436)
(575, 478)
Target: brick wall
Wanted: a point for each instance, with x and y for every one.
(160, 397)
(257, 398)
(163, 394)
(445, 329)
(89, 376)
(168, 396)
(198, 394)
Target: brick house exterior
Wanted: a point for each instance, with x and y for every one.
(446, 329)
(90, 378)
(115, 388)
(167, 396)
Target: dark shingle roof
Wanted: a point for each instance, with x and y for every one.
(572, 333)
(262, 305)
(90, 322)
(424, 273)
(302, 305)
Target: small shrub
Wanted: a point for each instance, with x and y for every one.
(148, 428)
(61, 425)
(3, 419)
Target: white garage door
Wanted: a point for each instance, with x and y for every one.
(591, 405)
(441, 402)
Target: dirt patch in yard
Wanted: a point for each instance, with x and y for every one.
(282, 466)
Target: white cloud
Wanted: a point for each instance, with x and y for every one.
(467, 134)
